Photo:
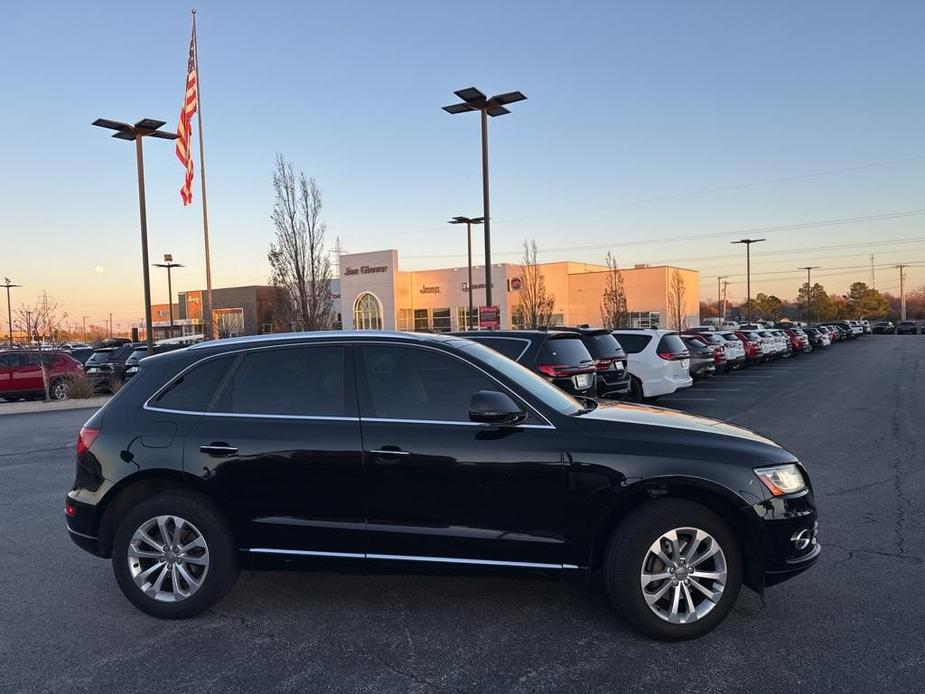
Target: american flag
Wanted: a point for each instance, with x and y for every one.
(185, 127)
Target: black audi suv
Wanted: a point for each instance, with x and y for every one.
(345, 451)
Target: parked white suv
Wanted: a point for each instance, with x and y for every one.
(658, 362)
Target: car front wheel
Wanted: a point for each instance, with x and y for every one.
(59, 389)
(673, 569)
(173, 555)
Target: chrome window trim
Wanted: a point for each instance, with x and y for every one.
(341, 343)
(410, 557)
(393, 420)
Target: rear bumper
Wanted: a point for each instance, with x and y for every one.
(82, 524)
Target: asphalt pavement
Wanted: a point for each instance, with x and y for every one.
(854, 414)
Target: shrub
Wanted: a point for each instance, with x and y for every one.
(81, 387)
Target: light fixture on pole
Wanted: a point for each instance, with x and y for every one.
(809, 288)
(748, 271)
(474, 100)
(169, 264)
(9, 307)
(468, 221)
(147, 127)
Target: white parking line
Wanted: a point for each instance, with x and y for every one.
(693, 399)
(720, 390)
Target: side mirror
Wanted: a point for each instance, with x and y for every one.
(492, 407)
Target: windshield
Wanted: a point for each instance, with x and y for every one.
(544, 391)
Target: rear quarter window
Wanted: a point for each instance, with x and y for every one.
(671, 343)
(602, 345)
(194, 390)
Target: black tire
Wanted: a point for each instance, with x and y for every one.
(628, 547)
(59, 389)
(635, 393)
(207, 519)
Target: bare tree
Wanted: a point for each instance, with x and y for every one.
(300, 266)
(677, 291)
(614, 313)
(41, 321)
(536, 303)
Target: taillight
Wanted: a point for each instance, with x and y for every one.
(552, 370)
(85, 439)
(674, 356)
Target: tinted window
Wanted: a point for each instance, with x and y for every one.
(139, 354)
(509, 347)
(633, 344)
(303, 381)
(194, 390)
(671, 343)
(409, 383)
(99, 357)
(564, 351)
(601, 345)
(9, 360)
(121, 353)
(539, 388)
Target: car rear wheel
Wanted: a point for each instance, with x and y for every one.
(636, 393)
(173, 555)
(673, 569)
(59, 389)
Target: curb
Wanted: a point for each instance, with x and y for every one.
(56, 406)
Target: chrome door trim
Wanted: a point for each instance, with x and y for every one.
(410, 557)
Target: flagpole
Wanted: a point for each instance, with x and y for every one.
(202, 181)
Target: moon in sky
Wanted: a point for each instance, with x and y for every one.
(99, 269)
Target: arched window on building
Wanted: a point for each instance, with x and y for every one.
(367, 312)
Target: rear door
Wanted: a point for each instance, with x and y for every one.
(281, 446)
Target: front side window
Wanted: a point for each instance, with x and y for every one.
(297, 381)
(195, 389)
(420, 384)
(367, 313)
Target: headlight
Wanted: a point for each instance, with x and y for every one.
(781, 479)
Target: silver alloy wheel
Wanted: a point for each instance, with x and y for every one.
(59, 390)
(683, 575)
(168, 558)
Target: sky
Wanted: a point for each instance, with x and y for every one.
(659, 131)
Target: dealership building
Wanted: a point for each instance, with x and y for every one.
(374, 293)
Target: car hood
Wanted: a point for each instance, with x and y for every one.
(649, 416)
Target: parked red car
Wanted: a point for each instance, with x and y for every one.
(719, 354)
(21, 373)
(798, 340)
(752, 346)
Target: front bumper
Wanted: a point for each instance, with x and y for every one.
(791, 527)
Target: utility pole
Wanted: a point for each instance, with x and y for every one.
(809, 289)
(719, 295)
(110, 325)
(873, 275)
(725, 287)
(748, 271)
(902, 290)
(85, 328)
(9, 307)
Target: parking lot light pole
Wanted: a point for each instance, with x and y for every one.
(809, 298)
(748, 271)
(719, 297)
(169, 264)
(468, 221)
(147, 127)
(474, 100)
(9, 307)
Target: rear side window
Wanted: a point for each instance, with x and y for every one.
(99, 357)
(300, 381)
(194, 390)
(510, 347)
(564, 352)
(633, 344)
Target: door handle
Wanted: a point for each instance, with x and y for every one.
(218, 449)
(389, 452)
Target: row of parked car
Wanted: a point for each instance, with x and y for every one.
(644, 364)
(106, 367)
(903, 327)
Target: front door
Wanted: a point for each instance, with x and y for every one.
(281, 445)
(27, 376)
(443, 489)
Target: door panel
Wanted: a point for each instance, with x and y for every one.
(281, 447)
(439, 486)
